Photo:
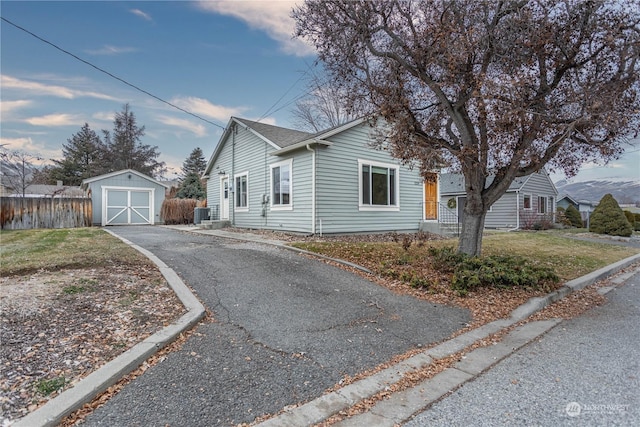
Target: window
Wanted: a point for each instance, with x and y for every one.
(242, 192)
(281, 185)
(526, 203)
(542, 204)
(379, 184)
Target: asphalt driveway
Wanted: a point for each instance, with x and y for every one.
(285, 329)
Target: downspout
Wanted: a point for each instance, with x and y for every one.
(232, 202)
(517, 211)
(313, 188)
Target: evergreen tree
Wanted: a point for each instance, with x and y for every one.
(574, 216)
(191, 187)
(84, 157)
(608, 218)
(195, 163)
(125, 149)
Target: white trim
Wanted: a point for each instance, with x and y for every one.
(530, 208)
(152, 192)
(313, 189)
(289, 206)
(237, 191)
(371, 207)
(123, 172)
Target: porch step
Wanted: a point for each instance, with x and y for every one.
(212, 224)
(441, 228)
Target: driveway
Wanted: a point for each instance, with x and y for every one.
(285, 328)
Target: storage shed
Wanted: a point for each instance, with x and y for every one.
(125, 197)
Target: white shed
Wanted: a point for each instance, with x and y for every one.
(125, 197)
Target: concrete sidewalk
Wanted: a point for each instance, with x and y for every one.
(387, 413)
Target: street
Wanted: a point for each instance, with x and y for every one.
(584, 372)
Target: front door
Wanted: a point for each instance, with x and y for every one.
(461, 202)
(224, 197)
(431, 196)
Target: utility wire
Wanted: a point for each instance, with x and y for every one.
(111, 75)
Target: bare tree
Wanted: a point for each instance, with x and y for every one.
(497, 88)
(18, 169)
(324, 107)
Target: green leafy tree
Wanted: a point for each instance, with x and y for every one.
(83, 157)
(191, 188)
(497, 89)
(608, 218)
(574, 217)
(125, 149)
(195, 163)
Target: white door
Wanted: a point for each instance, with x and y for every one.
(127, 206)
(224, 197)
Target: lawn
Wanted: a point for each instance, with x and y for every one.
(25, 251)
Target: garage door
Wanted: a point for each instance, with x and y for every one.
(128, 206)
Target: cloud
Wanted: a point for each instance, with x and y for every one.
(111, 50)
(196, 128)
(28, 146)
(141, 14)
(37, 88)
(54, 120)
(272, 17)
(106, 116)
(7, 107)
(202, 107)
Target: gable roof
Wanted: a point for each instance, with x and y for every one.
(453, 183)
(122, 172)
(282, 139)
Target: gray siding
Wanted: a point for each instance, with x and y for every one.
(252, 156)
(338, 193)
(123, 180)
(504, 213)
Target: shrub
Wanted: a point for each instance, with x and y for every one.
(574, 216)
(608, 218)
(561, 216)
(179, 211)
(470, 273)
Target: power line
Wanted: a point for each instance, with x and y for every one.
(111, 75)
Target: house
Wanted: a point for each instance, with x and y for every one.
(527, 199)
(585, 207)
(125, 197)
(262, 176)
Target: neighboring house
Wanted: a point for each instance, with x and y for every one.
(125, 197)
(268, 177)
(585, 207)
(527, 198)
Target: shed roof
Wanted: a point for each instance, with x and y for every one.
(122, 172)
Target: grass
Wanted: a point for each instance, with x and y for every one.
(569, 258)
(48, 386)
(26, 251)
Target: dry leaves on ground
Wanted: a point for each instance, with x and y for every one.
(57, 327)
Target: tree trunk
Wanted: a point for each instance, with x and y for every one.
(471, 236)
(474, 215)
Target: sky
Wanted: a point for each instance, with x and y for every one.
(216, 59)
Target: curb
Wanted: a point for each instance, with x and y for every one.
(54, 411)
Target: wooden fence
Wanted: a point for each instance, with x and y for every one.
(21, 213)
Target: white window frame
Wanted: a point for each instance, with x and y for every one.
(281, 207)
(530, 196)
(238, 190)
(371, 207)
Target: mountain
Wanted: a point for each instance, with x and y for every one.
(623, 190)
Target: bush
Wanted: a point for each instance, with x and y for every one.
(179, 211)
(608, 218)
(574, 216)
(470, 273)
